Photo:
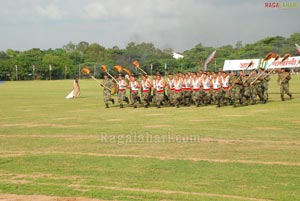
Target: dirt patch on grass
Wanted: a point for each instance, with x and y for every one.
(201, 120)
(118, 120)
(268, 128)
(31, 125)
(234, 115)
(158, 126)
(246, 141)
(12, 197)
(154, 114)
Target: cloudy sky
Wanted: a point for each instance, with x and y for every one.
(176, 24)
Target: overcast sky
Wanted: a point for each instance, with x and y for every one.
(176, 24)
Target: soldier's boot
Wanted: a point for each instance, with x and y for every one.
(241, 101)
(233, 102)
(254, 102)
(126, 99)
(282, 98)
(225, 102)
(291, 97)
(106, 105)
(139, 100)
(113, 101)
(121, 106)
(264, 101)
(219, 102)
(247, 101)
(134, 106)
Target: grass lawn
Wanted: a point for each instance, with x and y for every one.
(76, 148)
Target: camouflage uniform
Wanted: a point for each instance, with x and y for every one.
(196, 95)
(225, 88)
(256, 83)
(171, 92)
(108, 84)
(217, 91)
(247, 90)
(206, 92)
(265, 86)
(187, 91)
(283, 81)
(235, 85)
(159, 92)
(146, 93)
(134, 91)
(178, 92)
(122, 92)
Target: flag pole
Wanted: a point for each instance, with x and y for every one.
(50, 69)
(16, 72)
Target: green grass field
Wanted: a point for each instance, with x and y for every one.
(77, 148)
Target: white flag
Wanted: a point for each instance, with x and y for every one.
(210, 58)
(297, 48)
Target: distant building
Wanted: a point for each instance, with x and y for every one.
(177, 55)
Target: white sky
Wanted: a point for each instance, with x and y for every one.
(176, 24)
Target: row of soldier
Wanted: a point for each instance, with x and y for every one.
(197, 88)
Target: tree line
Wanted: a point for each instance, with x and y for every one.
(65, 62)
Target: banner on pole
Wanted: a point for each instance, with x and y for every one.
(234, 65)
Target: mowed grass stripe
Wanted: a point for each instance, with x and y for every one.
(26, 153)
(176, 176)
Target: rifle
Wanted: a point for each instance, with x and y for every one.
(87, 71)
(281, 81)
(100, 83)
(276, 58)
(269, 73)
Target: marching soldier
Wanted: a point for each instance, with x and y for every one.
(159, 90)
(235, 83)
(283, 81)
(256, 83)
(134, 90)
(265, 84)
(225, 87)
(247, 90)
(178, 90)
(154, 89)
(217, 92)
(187, 89)
(107, 88)
(122, 84)
(171, 90)
(146, 90)
(206, 87)
(196, 87)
